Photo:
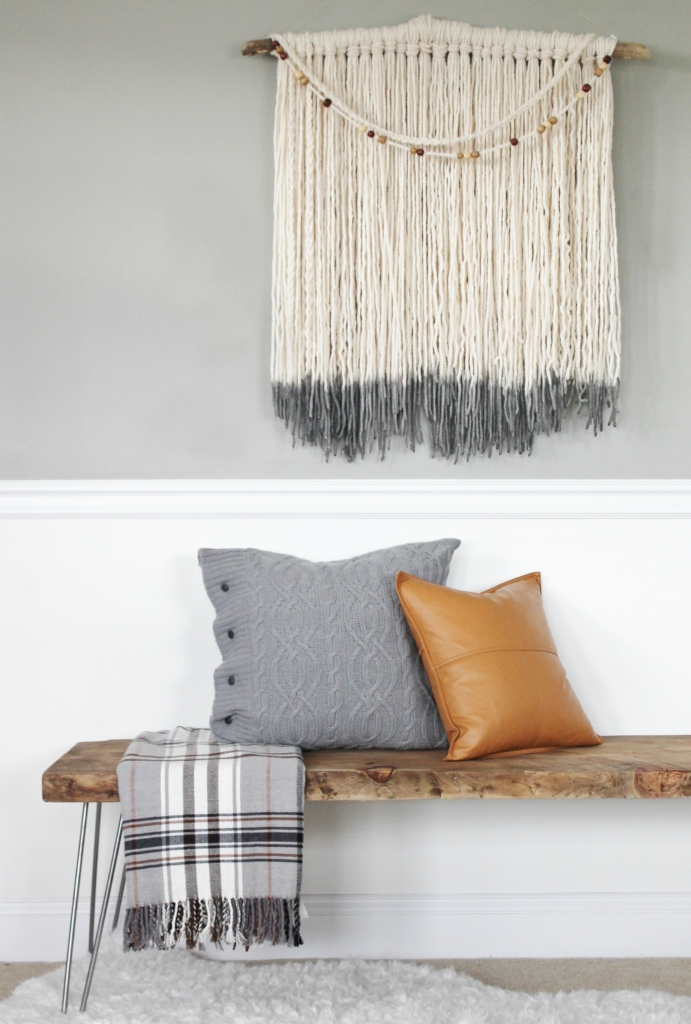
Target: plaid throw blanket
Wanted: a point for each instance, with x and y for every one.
(213, 841)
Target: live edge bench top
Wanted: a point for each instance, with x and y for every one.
(622, 767)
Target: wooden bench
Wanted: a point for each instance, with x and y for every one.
(623, 767)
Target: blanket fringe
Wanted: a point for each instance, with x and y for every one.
(242, 921)
(464, 417)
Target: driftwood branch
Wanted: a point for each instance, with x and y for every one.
(631, 51)
(627, 51)
(257, 46)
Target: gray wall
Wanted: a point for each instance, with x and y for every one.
(135, 240)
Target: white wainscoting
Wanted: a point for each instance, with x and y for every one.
(106, 630)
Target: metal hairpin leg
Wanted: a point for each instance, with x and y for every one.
(94, 876)
(101, 918)
(73, 915)
(121, 893)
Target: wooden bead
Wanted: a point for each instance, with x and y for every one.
(298, 75)
(420, 152)
(283, 56)
(607, 59)
(586, 87)
(580, 95)
(553, 119)
(382, 139)
(413, 150)
(304, 80)
(475, 154)
(598, 71)
(466, 155)
(370, 134)
(459, 156)
(540, 129)
(363, 128)
(327, 102)
(514, 142)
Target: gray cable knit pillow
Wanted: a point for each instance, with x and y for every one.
(318, 654)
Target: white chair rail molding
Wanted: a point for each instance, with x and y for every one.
(107, 631)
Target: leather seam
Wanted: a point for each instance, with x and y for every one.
(491, 650)
(542, 708)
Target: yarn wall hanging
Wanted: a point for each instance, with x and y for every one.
(445, 258)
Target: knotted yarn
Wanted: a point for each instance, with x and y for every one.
(445, 259)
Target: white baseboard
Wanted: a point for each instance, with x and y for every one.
(422, 927)
(37, 929)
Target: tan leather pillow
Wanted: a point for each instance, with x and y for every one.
(493, 666)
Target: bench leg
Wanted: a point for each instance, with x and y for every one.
(121, 893)
(94, 876)
(73, 915)
(101, 918)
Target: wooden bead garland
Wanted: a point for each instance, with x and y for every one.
(464, 154)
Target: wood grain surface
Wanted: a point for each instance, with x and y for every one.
(85, 774)
(645, 767)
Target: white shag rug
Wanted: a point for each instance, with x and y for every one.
(179, 988)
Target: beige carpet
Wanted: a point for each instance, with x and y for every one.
(671, 975)
(12, 975)
(665, 975)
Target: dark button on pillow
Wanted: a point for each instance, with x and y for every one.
(225, 587)
(323, 649)
(231, 680)
(228, 719)
(231, 634)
